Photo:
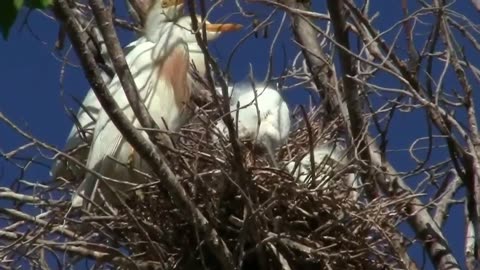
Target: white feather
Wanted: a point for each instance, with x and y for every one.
(86, 118)
(88, 113)
(110, 152)
(263, 115)
(108, 142)
(336, 155)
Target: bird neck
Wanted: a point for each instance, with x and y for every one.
(197, 57)
(157, 18)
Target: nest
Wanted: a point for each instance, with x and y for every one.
(266, 218)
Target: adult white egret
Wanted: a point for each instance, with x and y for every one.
(263, 116)
(161, 20)
(161, 11)
(81, 133)
(161, 75)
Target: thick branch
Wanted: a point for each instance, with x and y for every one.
(317, 61)
(103, 16)
(350, 91)
(420, 220)
(445, 197)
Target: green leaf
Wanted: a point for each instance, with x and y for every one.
(40, 4)
(8, 13)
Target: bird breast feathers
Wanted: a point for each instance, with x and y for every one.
(174, 69)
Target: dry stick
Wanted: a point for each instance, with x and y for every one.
(38, 221)
(413, 61)
(421, 221)
(469, 242)
(37, 142)
(139, 9)
(323, 76)
(6, 193)
(144, 147)
(317, 61)
(103, 17)
(354, 106)
(350, 92)
(77, 247)
(237, 162)
(224, 106)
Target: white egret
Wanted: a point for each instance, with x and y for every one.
(263, 116)
(81, 133)
(160, 12)
(161, 75)
(329, 158)
(160, 19)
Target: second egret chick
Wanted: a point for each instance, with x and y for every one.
(263, 116)
(328, 159)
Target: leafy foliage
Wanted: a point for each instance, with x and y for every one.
(10, 8)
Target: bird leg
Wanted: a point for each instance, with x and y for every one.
(267, 142)
(272, 159)
(131, 158)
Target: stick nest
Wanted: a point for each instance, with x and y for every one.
(266, 218)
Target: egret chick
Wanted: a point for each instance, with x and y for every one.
(328, 159)
(263, 116)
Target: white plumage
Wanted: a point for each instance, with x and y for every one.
(161, 20)
(263, 116)
(161, 75)
(329, 158)
(82, 133)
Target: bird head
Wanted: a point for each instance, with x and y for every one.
(170, 9)
(160, 13)
(213, 30)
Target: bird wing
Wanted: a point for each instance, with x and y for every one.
(137, 58)
(90, 109)
(108, 141)
(132, 45)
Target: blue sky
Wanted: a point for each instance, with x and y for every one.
(36, 85)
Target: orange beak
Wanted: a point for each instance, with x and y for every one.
(223, 27)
